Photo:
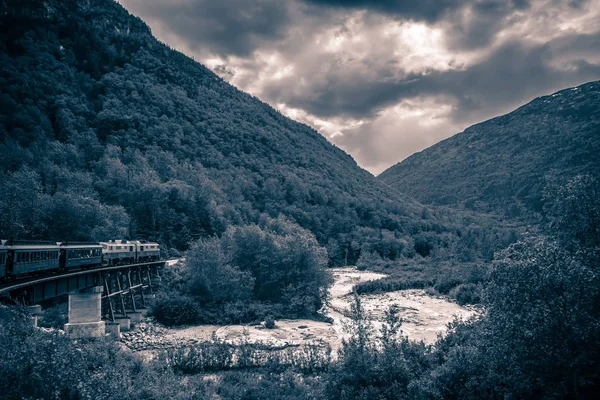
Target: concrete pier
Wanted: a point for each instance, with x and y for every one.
(135, 317)
(113, 329)
(124, 323)
(85, 314)
(35, 312)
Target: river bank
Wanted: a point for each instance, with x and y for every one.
(424, 317)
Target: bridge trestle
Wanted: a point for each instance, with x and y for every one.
(104, 300)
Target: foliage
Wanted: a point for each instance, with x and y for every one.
(538, 337)
(276, 386)
(274, 269)
(175, 309)
(573, 213)
(270, 322)
(539, 334)
(35, 364)
(371, 366)
(211, 277)
(466, 293)
(217, 355)
(54, 317)
(461, 281)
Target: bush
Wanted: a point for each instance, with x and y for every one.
(54, 317)
(175, 309)
(467, 293)
(444, 284)
(270, 323)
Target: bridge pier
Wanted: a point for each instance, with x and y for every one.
(35, 312)
(135, 317)
(113, 329)
(124, 323)
(85, 314)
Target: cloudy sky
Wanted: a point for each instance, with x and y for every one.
(384, 79)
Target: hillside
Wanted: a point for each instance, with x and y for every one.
(106, 132)
(504, 163)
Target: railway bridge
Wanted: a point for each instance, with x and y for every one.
(101, 300)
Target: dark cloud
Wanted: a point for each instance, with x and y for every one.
(513, 73)
(421, 10)
(478, 27)
(471, 23)
(224, 27)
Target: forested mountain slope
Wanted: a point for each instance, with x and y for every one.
(504, 164)
(105, 132)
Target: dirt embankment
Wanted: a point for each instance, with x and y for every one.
(424, 317)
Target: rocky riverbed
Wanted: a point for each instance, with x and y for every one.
(424, 318)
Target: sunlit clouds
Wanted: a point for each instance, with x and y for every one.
(385, 80)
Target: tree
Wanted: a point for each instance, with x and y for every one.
(573, 212)
(212, 277)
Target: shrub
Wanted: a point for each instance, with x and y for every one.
(467, 293)
(446, 283)
(213, 356)
(270, 323)
(175, 309)
(54, 317)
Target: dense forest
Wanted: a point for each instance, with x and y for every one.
(504, 164)
(107, 133)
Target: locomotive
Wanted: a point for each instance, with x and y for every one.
(19, 259)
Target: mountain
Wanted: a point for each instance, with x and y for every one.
(503, 164)
(105, 132)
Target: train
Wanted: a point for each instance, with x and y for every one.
(20, 259)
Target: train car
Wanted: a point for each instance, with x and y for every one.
(80, 255)
(116, 252)
(31, 257)
(147, 251)
(3, 259)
